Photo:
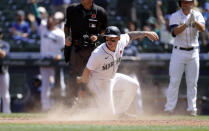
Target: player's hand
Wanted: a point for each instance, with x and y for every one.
(24, 35)
(13, 30)
(31, 18)
(191, 20)
(159, 3)
(93, 38)
(151, 35)
(79, 79)
(68, 41)
(58, 57)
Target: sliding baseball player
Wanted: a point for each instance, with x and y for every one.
(101, 72)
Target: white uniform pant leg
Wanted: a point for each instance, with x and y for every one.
(176, 70)
(124, 92)
(46, 72)
(4, 92)
(139, 106)
(101, 90)
(62, 83)
(192, 73)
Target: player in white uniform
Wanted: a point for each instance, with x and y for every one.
(100, 72)
(4, 77)
(51, 45)
(185, 25)
(52, 42)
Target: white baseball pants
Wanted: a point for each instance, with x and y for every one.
(116, 95)
(4, 92)
(46, 73)
(188, 62)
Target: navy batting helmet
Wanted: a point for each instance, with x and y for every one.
(179, 1)
(112, 31)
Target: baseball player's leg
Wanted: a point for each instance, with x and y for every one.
(4, 90)
(62, 83)
(124, 92)
(46, 86)
(192, 73)
(176, 70)
(101, 90)
(138, 102)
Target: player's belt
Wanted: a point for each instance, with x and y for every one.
(186, 49)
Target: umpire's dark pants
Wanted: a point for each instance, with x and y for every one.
(78, 60)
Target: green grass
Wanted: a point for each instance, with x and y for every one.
(71, 127)
(42, 115)
(22, 115)
(49, 127)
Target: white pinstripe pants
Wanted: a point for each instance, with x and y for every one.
(188, 62)
(4, 92)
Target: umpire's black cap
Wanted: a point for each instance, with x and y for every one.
(112, 31)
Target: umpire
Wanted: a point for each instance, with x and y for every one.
(84, 27)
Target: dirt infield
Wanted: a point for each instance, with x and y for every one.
(136, 122)
(84, 116)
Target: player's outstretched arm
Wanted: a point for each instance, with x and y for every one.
(141, 34)
(151, 35)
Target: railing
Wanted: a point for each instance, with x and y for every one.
(35, 59)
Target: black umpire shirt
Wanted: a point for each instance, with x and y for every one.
(82, 21)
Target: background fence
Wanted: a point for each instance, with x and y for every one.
(150, 69)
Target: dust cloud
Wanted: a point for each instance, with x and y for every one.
(84, 110)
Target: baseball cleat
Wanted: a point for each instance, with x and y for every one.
(192, 113)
